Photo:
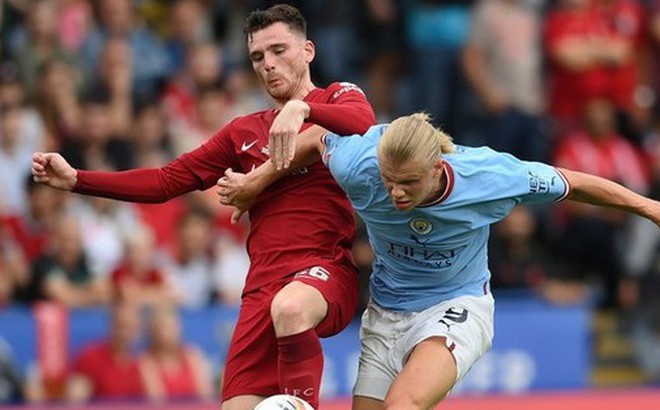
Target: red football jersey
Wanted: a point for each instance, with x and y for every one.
(302, 220)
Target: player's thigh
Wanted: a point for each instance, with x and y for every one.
(338, 283)
(244, 402)
(367, 403)
(251, 366)
(426, 378)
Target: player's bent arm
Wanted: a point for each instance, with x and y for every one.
(600, 191)
(308, 150)
(241, 190)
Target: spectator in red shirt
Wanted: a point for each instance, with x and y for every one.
(138, 279)
(108, 369)
(593, 53)
(170, 368)
(590, 233)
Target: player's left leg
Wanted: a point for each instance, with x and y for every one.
(425, 380)
(320, 301)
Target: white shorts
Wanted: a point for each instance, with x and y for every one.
(388, 337)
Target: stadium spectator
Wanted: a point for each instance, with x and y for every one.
(189, 26)
(202, 70)
(118, 20)
(589, 234)
(502, 62)
(57, 102)
(653, 94)
(115, 77)
(73, 23)
(104, 223)
(211, 108)
(42, 44)
(139, 280)
(436, 32)
(190, 268)
(170, 368)
(96, 143)
(593, 52)
(30, 231)
(519, 260)
(14, 270)
(15, 146)
(231, 268)
(63, 274)
(381, 32)
(150, 136)
(108, 369)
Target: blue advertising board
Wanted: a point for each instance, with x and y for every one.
(536, 346)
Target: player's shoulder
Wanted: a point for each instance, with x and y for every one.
(337, 89)
(249, 120)
(369, 138)
(470, 161)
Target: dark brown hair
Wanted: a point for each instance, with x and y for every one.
(280, 13)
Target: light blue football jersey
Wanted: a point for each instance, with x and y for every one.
(436, 252)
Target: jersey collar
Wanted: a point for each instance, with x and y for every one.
(449, 187)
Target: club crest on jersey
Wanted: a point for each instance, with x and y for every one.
(420, 226)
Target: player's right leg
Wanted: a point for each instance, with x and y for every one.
(426, 379)
(411, 360)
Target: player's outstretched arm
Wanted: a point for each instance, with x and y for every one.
(600, 191)
(146, 185)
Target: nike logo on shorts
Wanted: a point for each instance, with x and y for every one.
(246, 147)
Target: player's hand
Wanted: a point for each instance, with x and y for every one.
(283, 132)
(51, 169)
(234, 189)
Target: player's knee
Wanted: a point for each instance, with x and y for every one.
(405, 401)
(285, 309)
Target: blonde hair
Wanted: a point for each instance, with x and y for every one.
(413, 137)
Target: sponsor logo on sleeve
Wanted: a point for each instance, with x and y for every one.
(346, 87)
(539, 184)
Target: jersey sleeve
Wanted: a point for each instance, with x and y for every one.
(347, 111)
(196, 170)
(211, 159)
(352, 162)
(508, 177)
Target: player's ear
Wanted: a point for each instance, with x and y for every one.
(309, 50)
(438, 167)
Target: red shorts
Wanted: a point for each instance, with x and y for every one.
(251, 366)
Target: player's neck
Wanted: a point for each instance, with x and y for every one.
(299, 93)
(439, 191)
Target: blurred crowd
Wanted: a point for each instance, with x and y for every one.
(117, 84)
